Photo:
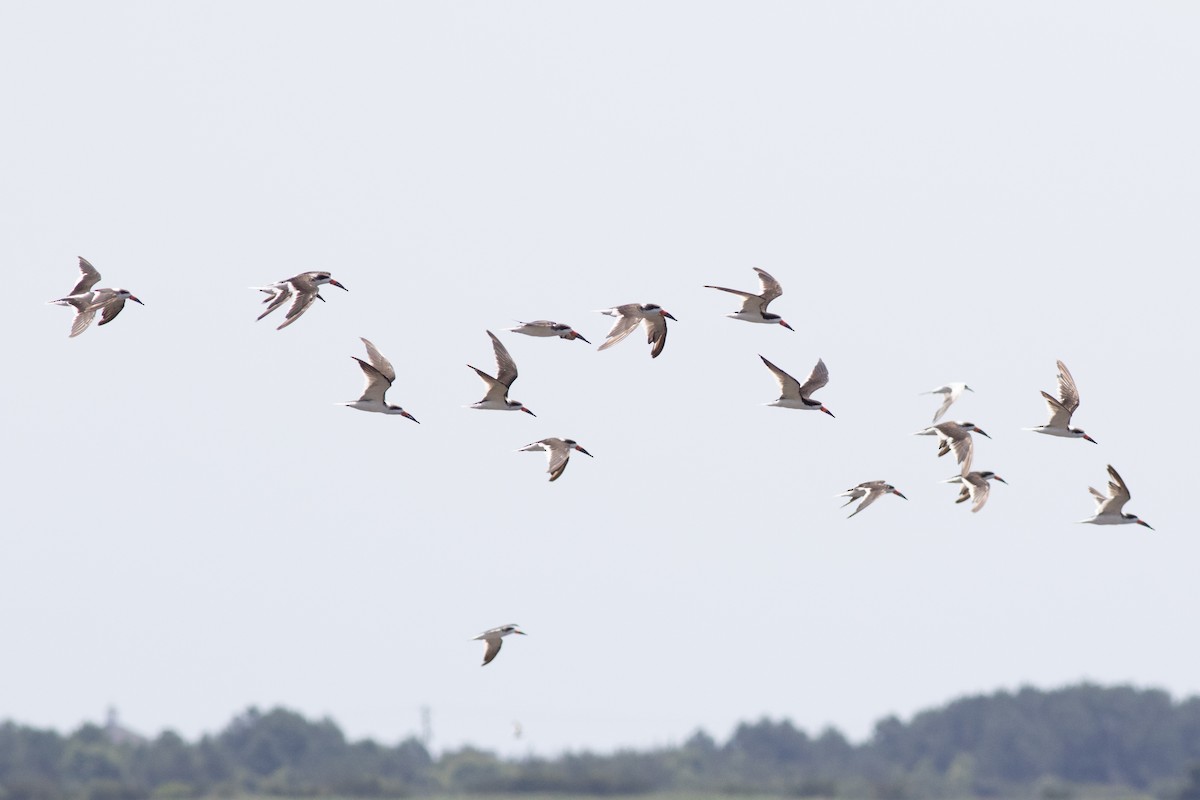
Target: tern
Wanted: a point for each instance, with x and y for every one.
(301, 289)
(955, 437)
(544, 327)
(952, 392)
(494, 638)
(629, 315)
(1062, 409)
(380, 376)
(87, 301)
(496, 398)
(795, 395)
(754, 306)
(558, 453)
(870, 491)
(975, 487)
(1109, 507)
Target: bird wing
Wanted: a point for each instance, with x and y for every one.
(506, 368)
(379, 362)
(789, 387)
(279, 294)
(88, 278)
(83, 318)
(303, 298)
(377, 383)
(1060, 415)
(1067, 389)
(493, 647)
(816, 379)
(656, 333)
(873, 493)
(627, 321)
(950, 398)
(1118, 494)
(558, 453)
(978, 487)
(750, 302)
(496, 391)
(770, 287)
(956, 439)
(110, 309)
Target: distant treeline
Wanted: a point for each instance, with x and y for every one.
(1079, 740)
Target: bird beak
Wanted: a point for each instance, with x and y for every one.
(968, 388)
(322, 299)
(585, 452)
(527, 411)
(410, 416)
(1090, 439)
(998, 478)
(523, 633)
(827, 411)
(1143, 522)
(134, 299)
(784, 324)
(981, 432)
(575, 335)
(897, 493)
(667, 314)
(335, 283)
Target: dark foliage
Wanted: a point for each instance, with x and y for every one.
(1027, 743)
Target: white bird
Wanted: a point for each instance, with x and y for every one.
(955, 437)
(1109, 507)
(87, 301)
(795, 395)
(870, 491)
(558, 453)
(380, 376)
(754, 306)
(496, 398)
(1061, 409)
(301, 289)
(952, 392)
(975, 487)
(628, 316)
(545, 327)
(494, 638)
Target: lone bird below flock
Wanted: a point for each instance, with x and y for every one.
(628, 316)
(544, 327)
(558, 453)
(87, 301)
(795, 395)
(496, 398)
(1062, 408)
(301, 289)
(494, 638)
(1109, 508)
(951, 391)
(380, 377)
(754, 306)
(975, 487)
(870, 491)
(955, 437)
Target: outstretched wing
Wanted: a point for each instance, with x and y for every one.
(816, 379)
(110, 309)
(377, 383)
(629, 315)
(1060, 415)
(1067, 389)
(978, 488)
(88, 278)
(506, 368)
(788, 386)
(379, 362)
(770, 287)
(493, 647)
(750, 302)
(1118, 495)
(302, 300)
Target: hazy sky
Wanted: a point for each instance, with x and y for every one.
(947, 191)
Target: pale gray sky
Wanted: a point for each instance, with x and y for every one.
(947, 191)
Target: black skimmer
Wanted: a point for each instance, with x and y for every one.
(494, 638)
(754, 306)
(380, 376)
(558, 452)
(87, 301)
(794, 394)
(496, 398)
(545, 327)
(629, 315)
(301, 289)
(951, 392)
(1062, 408)
(1109, 508)
(869, 491)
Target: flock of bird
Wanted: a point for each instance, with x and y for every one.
(299, 293)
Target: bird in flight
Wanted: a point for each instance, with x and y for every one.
(379, 376)
(496, 398)
(1062, 407)
(628, 316)
(87, 301)
(558, 453)
(494, 637)
(754, 306)
(869, 491)
(301, 289)
(1110, 507)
